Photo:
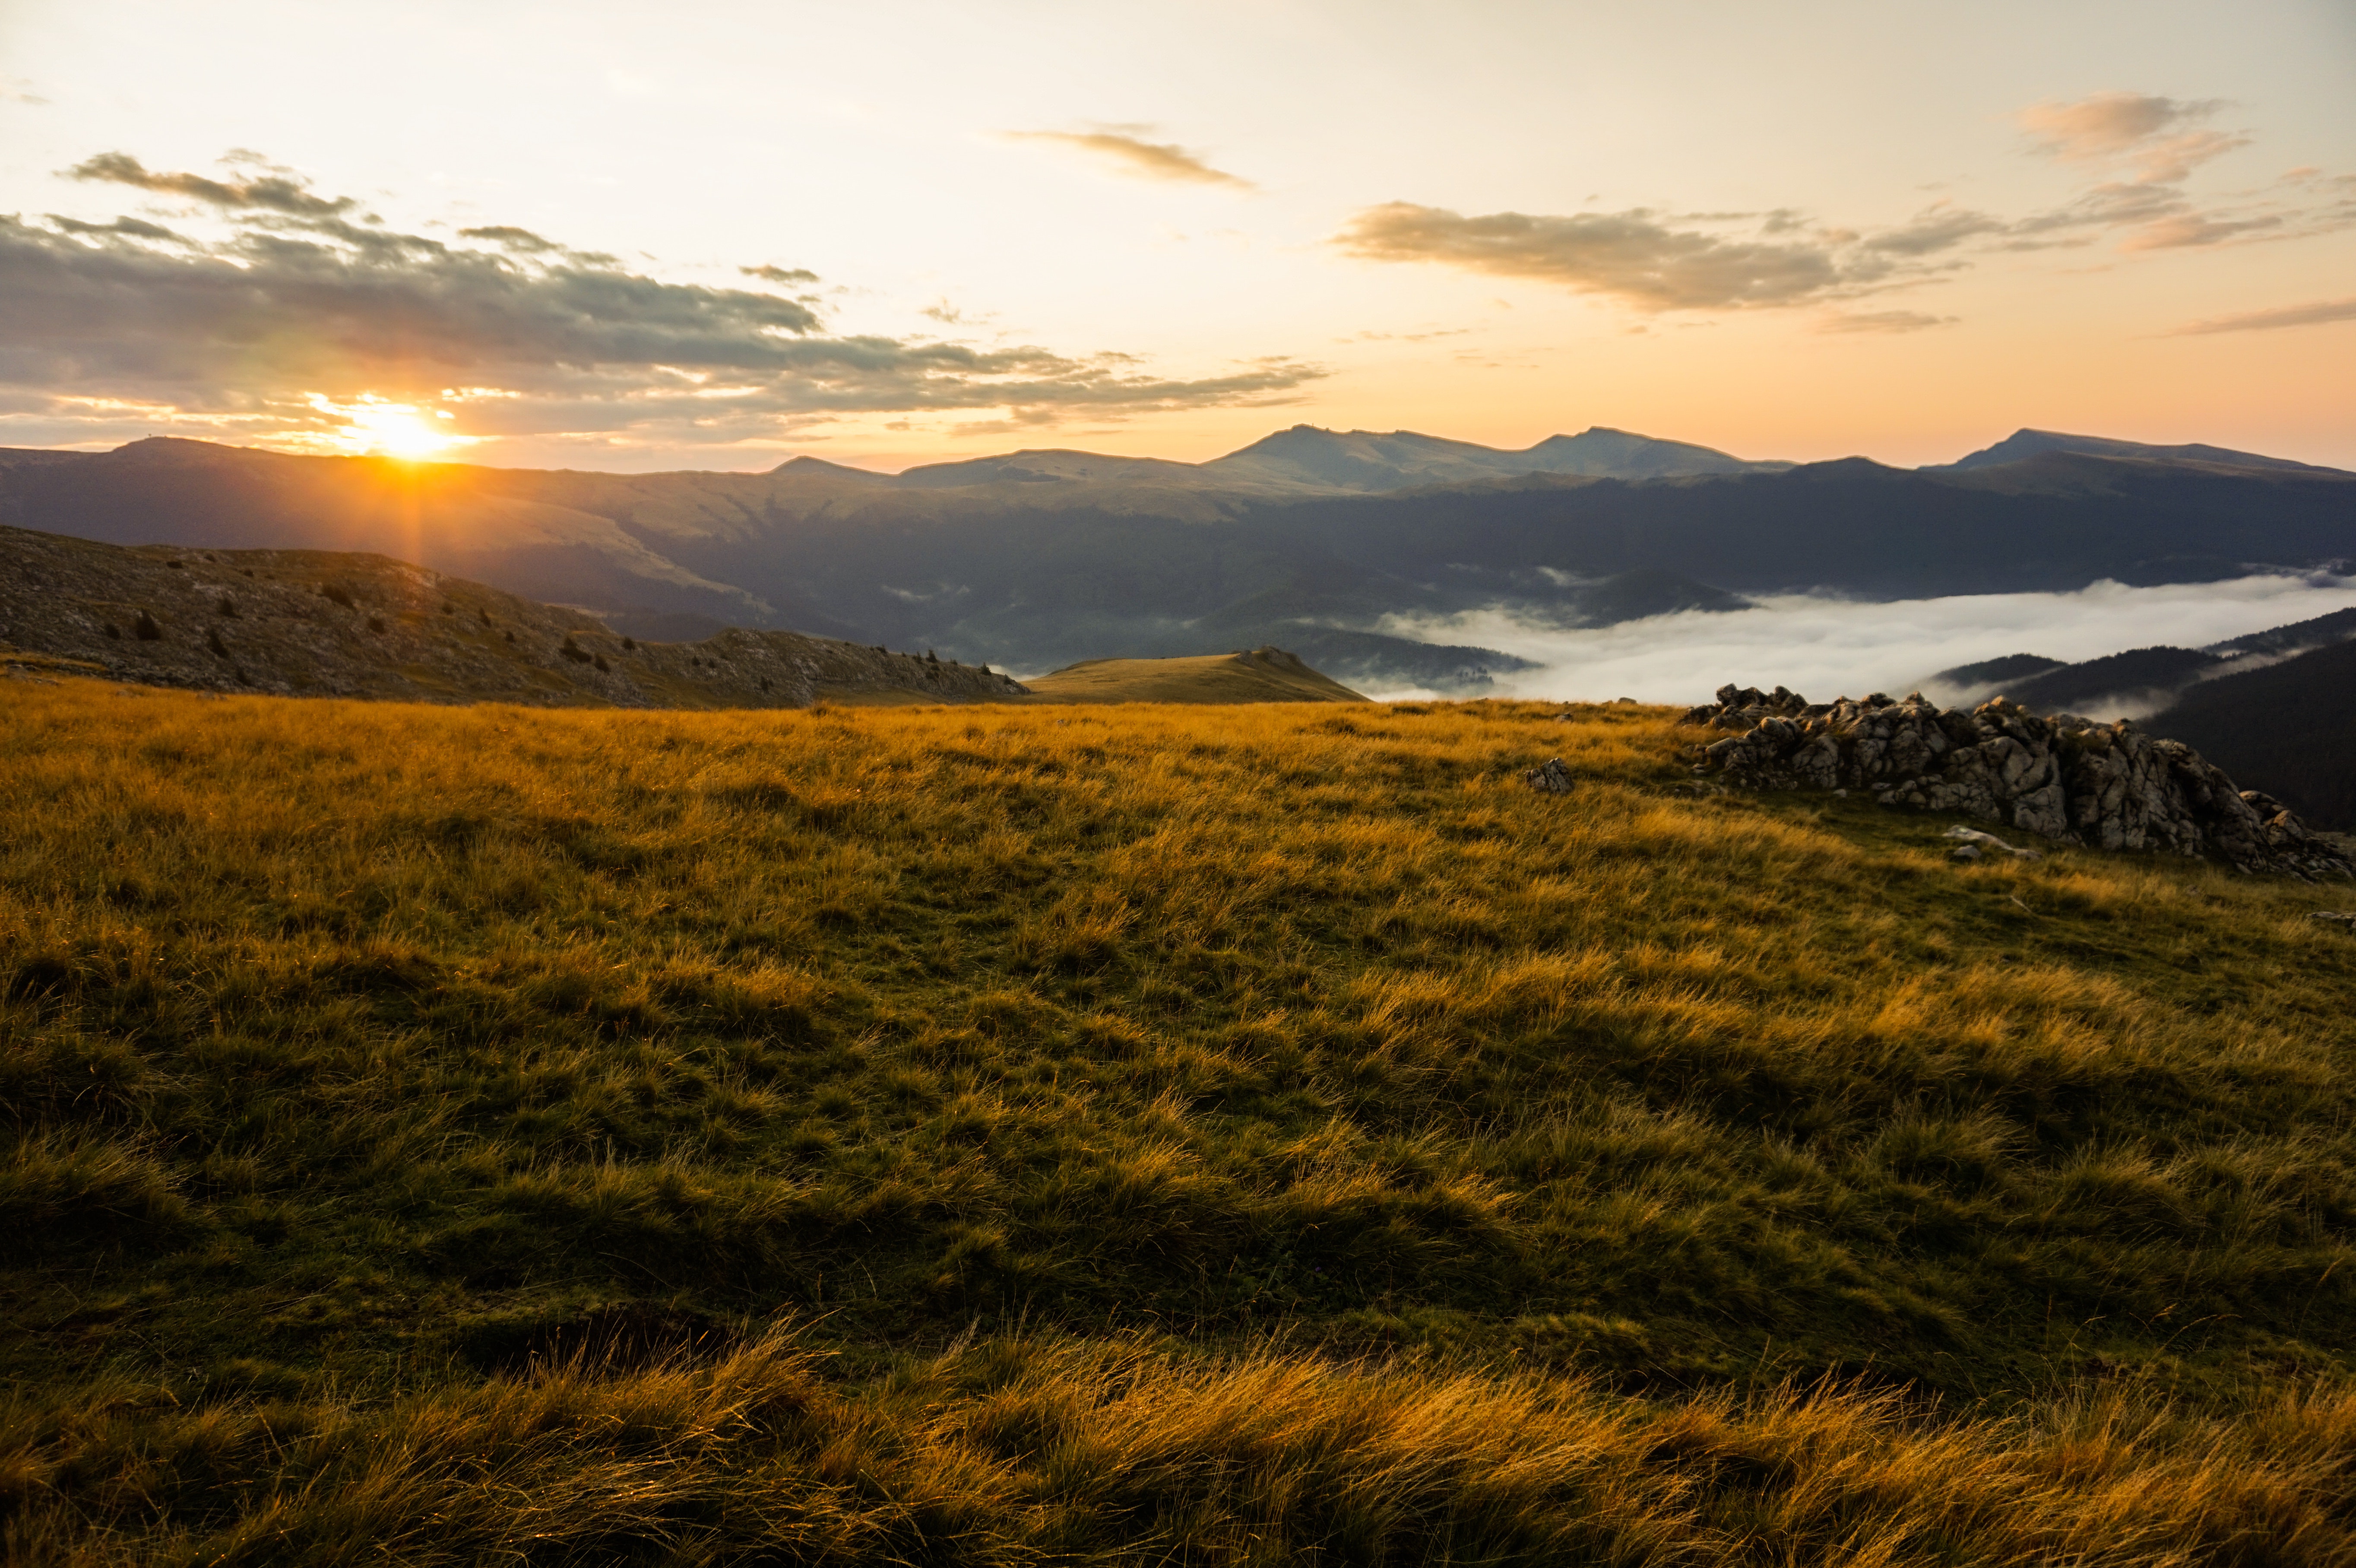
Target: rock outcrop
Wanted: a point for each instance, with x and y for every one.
(2062, 778)
(1550, 777)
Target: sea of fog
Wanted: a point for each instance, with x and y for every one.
(1824, 648)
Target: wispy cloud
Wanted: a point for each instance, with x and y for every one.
(1128, 152)
(1939, 227)
(2317, 315)
(511, 238)
(2183, 230)
(2152, 133)
(1883, 321)
(2151, 146)
(1638, 257)
(290, 301)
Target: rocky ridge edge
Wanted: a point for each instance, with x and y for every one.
(2065, 778)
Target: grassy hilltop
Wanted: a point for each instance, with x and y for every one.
(1020, 1133)
(1260, 674)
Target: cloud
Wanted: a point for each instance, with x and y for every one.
(1883, 321)
(107, 324)
(2144, 147)
(511, 238)
(2154, 141)
(2100, 209)
(134, 228)
(1826, 647)
(2106, 123)
(279, 190)
(2161, 216)
(2174, 159)
(1136, 157)
(1634, 257)
(1942, 227)
(2314, 315)
(2186, 229)
(781, 274)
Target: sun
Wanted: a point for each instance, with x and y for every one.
(399, 429)
(378, 428)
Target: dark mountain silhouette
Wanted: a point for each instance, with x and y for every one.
(2025, 443)
(2286, 728)
(2131, 682)
(1308, 457)
(1989, 675)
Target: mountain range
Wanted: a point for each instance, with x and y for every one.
(1325, 542)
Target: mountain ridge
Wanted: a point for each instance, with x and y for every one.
(2026, 442)
(296, 623)
(1036, 559)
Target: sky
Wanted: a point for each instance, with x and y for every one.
(720, 235)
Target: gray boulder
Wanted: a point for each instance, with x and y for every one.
(2062, 778)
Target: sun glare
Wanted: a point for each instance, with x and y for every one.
(381, 429)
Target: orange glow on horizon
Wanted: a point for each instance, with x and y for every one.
(376, 427)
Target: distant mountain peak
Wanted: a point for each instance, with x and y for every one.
(1602, 452)
(806, 464)
(2025, 443)
(1373, 460)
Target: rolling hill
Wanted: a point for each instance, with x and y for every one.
(1988, 677)
(341, 624)
(1261, 675)
(2133, 682)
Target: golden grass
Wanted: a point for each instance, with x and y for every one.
(1310, 1141)
(1026, 1451)
(1263, 674)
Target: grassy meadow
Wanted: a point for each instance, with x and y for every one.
(1029, 1134)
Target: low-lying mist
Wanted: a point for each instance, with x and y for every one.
(1826, 647)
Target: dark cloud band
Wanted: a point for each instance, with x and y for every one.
(275, 190)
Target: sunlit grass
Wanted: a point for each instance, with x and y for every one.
(1310, 1137)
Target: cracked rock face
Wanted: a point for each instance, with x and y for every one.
(2062, 777)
